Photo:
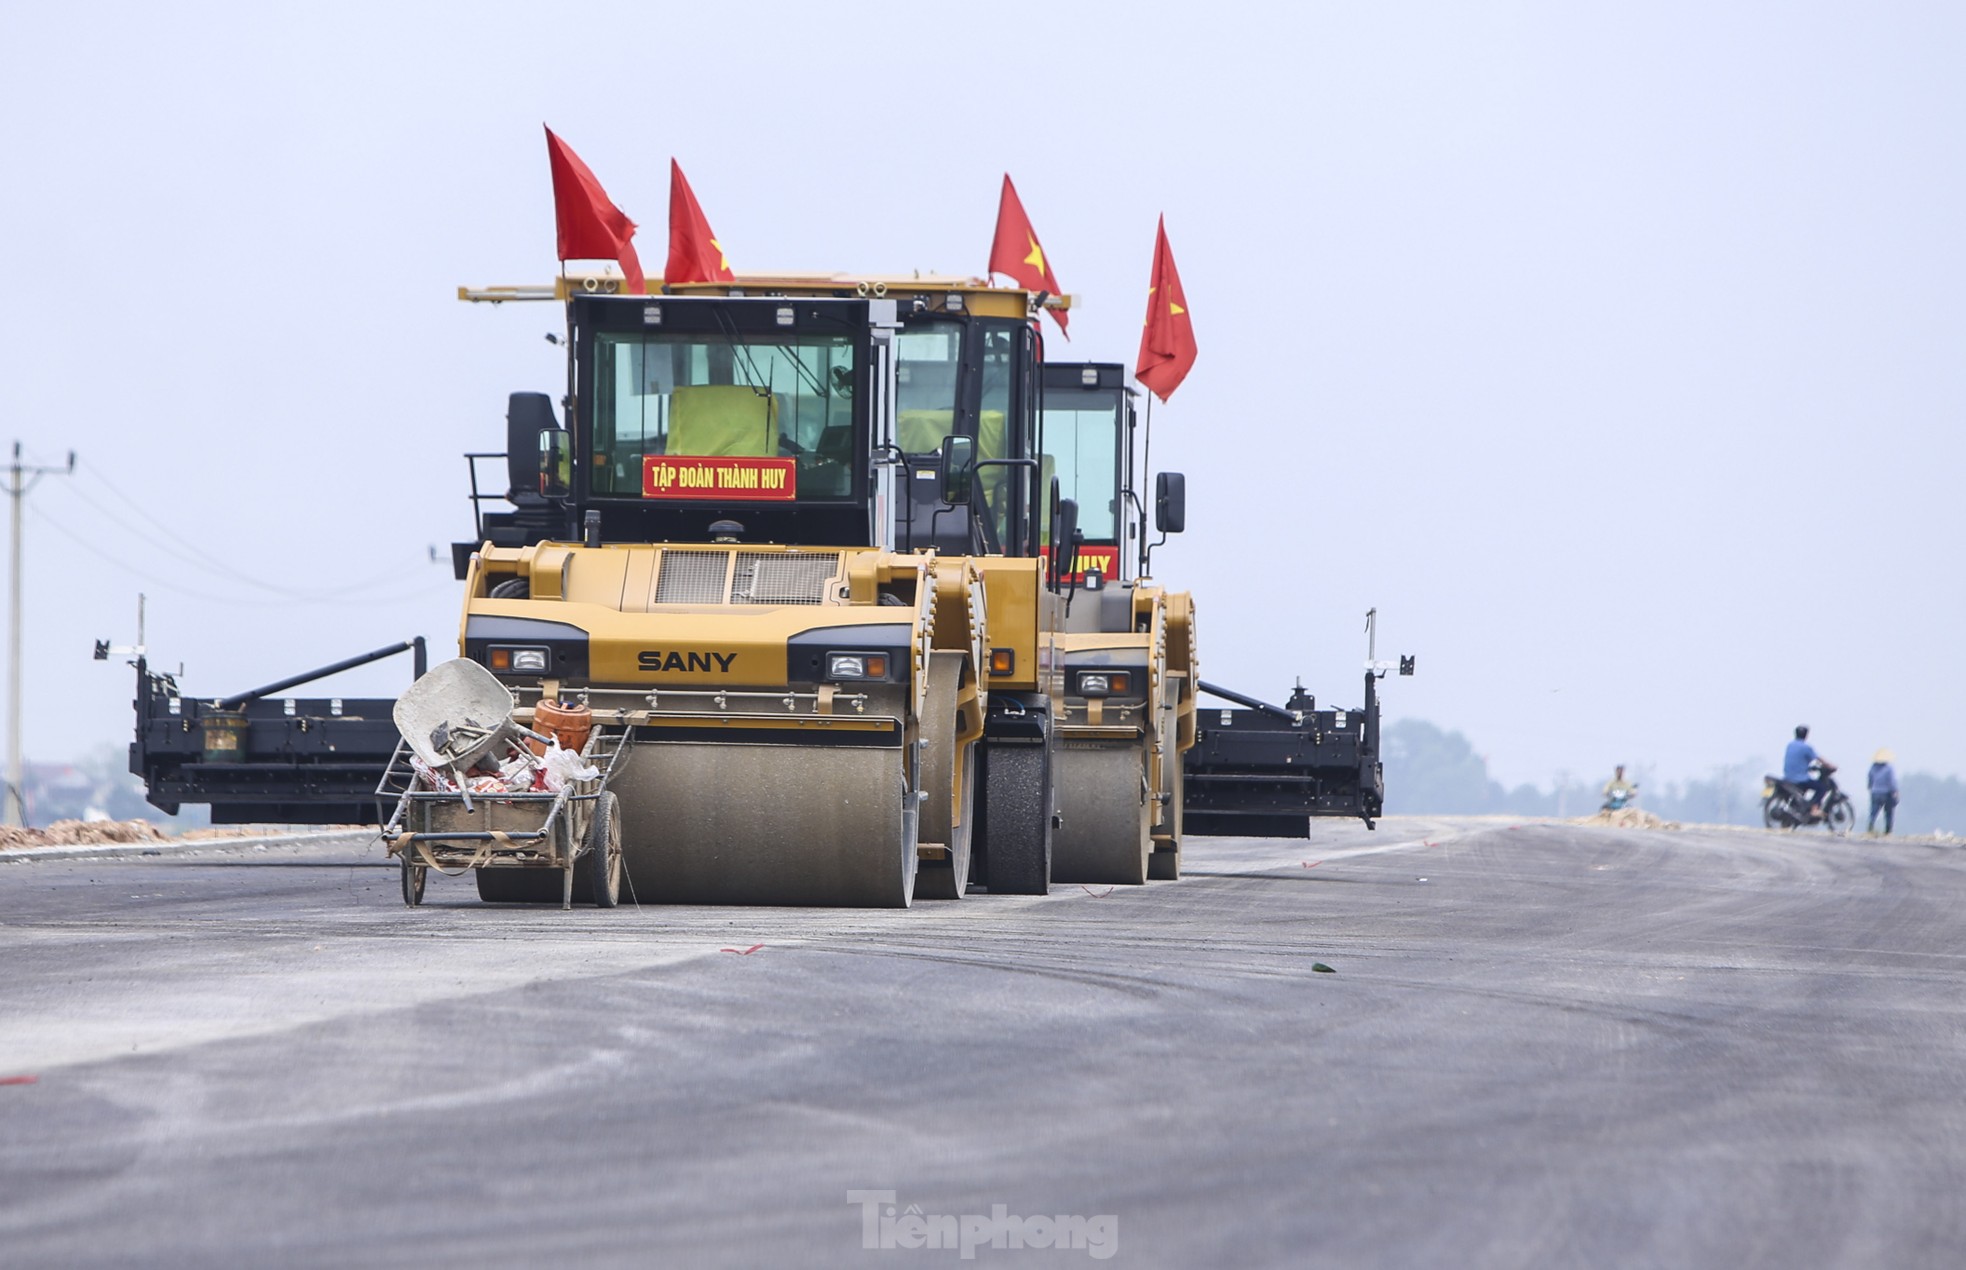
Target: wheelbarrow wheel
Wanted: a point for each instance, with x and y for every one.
(414, 876)
(597, 873)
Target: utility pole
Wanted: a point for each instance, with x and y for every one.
(20, 479)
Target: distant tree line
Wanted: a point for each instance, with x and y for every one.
(1430, 770)
(96, 787)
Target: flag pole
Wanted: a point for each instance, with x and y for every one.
(1147, 475)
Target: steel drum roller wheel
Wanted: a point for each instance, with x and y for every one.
(1105, 834)
(747, 823)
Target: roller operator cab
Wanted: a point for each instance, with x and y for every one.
(1127, 651)
(972, 494)
(707, 558)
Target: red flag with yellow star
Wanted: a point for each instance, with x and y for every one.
(695, 255)
(590, 226)
(1015, 252)
(1167, 346)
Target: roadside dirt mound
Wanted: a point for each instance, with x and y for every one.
(80, 833)
(1627, 818)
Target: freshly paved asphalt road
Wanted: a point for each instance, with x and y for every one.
(1540, 1046)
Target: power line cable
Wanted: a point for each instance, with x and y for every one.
(221, 567)
(150, 578)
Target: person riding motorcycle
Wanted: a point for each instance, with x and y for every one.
(1618, 791)
(1807, 771)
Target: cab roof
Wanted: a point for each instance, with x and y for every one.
(974, 295)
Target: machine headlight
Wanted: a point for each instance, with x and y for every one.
(856, 666)
(1105, 683)
(519, 661)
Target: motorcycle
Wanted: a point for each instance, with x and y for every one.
(1620, 799)
(1787, 805)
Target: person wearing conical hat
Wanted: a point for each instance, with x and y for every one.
(1883, 792)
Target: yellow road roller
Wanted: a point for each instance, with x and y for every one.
(1127, 654)
(819, 705)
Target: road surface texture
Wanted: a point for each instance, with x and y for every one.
(1538, 1045)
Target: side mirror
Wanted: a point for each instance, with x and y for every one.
(958, 469)
(555, 462)
(1065, 541)
(1170, 502)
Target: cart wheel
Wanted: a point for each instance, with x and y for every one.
(414, 876)
(597, 874)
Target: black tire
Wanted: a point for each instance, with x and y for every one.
(1840, 817)
(1016, 820)
(1769, 817)
(597, 873)
(519, 886)
(414, 877)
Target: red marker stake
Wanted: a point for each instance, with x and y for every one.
(744, 952)
(18, 1080)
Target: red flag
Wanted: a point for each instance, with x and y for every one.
(1167, 346)
(695, 255)
(591, 227)
(1016, 254)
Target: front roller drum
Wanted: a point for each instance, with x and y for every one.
(1104, 833)
(795, 824)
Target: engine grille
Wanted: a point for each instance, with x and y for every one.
(760, 577)
(692, 577)
(770, 578)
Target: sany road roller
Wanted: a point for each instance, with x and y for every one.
(1127, 655)
(712, 565)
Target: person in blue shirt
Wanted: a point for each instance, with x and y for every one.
(1883, 792)
(1795, 770)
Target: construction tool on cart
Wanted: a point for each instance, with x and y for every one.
(544, 823)
(456, 715)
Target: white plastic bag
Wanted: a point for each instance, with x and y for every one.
(562, 767)
(430, 778)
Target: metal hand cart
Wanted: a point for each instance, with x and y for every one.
(513, 842)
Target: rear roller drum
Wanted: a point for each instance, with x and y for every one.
(519, 886)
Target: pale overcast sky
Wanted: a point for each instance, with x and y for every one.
(1613, 352)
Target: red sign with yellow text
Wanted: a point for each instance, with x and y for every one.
(1091, 556)
(721, 477)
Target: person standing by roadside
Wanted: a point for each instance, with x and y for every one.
(1883, 792)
